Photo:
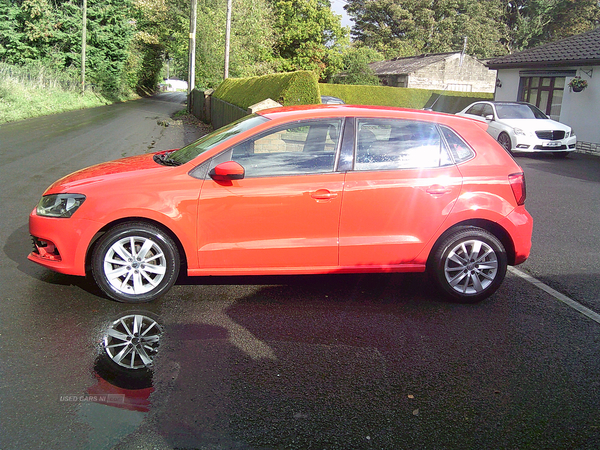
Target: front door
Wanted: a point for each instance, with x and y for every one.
(283, 216)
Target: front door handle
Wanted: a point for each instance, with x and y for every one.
(323, 194)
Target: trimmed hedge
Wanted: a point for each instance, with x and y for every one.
(294, 88)
(443, 101)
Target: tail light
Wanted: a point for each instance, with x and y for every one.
(517, 183)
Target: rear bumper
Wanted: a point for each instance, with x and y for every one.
(519, 225)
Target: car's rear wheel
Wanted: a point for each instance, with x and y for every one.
(504, 141)
(469, 264)
(135, 263)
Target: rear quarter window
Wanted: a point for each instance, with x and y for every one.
(459, 149)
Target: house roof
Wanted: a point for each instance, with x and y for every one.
(582, 49)
(406, 65)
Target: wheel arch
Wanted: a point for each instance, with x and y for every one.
(497, 230)
(161, 226)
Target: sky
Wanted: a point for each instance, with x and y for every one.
(338, 7)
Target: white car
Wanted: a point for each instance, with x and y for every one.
(521, 127)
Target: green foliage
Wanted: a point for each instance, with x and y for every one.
(410, 27)
(309, 36)
(534, 22)
(294, 88)
(445, 101)
(355, 69)
(492, 27)
(34, 90)
(251, 40)
(50, 33)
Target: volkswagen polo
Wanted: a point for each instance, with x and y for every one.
(297, 190)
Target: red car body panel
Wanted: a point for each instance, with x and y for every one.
(334, 222)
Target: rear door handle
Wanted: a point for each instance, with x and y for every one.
(438, 189)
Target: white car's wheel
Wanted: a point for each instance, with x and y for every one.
(504, 141)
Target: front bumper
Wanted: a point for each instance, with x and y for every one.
(61, 244)
(527, 144)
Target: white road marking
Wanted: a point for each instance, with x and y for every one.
(557, 295)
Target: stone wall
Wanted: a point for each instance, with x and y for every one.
(589, 148)
(469, 76)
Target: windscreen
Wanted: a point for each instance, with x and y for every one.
(518, 111)
(215, 138)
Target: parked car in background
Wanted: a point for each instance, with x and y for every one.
(329, 100)
(297, 190)
(521, 127)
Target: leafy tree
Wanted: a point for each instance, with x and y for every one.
(409, 27)
(535, 22)
(251, 41)
(309, 36)
(355, 69)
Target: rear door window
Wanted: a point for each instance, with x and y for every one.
(389, 144)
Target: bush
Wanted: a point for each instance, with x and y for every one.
(294, 88)
(443, 101)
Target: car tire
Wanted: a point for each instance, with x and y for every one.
(504, 141)
(468, 265)
(139, 275)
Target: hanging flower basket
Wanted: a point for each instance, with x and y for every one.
(577, 84)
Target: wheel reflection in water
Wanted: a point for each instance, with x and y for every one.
(132, 341)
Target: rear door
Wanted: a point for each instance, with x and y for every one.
(401, 190)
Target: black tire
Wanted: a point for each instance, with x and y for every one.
(135, 278)
(504, 141)
(468, 265)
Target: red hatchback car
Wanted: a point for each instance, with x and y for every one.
(299, 190)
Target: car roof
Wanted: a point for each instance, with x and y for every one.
(500, 102)
(300, 112)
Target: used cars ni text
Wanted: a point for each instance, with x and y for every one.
(522, 128)
(297, 190)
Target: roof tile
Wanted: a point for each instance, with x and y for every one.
(579, 49)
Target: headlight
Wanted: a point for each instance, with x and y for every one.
(59, 205)
(520, 132)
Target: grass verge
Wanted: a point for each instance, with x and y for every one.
(26, 93)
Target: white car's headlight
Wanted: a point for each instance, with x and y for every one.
(520, 132)
(59, 205)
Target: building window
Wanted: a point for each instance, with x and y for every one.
(544, 92)
(459, 87)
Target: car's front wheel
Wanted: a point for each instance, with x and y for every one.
(469, 264)
(504, 141)
(135, 263)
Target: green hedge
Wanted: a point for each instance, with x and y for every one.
(444, 101)
(294, 88)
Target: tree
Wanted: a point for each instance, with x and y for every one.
(409, 27)
(535, 22)
(309, 36)
(355, 69)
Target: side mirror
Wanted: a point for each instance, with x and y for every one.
(489, 117)
(228, 171)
